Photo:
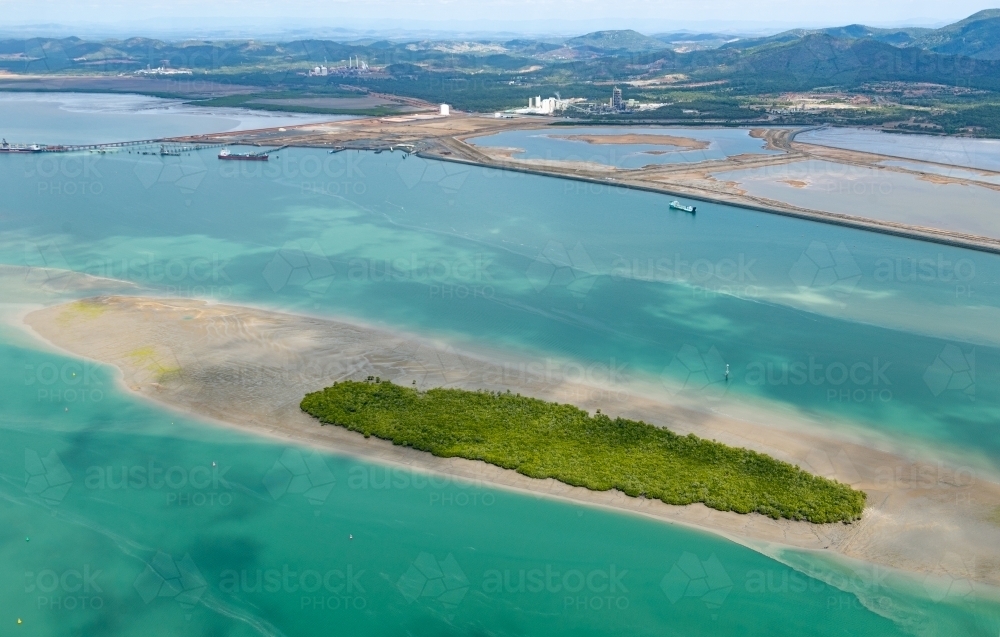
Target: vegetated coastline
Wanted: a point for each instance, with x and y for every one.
(543, 439)
(906, 524)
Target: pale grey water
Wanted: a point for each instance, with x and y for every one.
(960, 151)
(546, 144)
(875, 194)
(89, 118)
(946, 171)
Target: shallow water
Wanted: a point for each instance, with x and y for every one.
(153, 524)
(550, 268)
(86, 118)
(946, 171)
(584, 279)
(876, 194)
(971, 153)
(723, 142)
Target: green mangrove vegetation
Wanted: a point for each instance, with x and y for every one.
(549, 440)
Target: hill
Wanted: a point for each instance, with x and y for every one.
(977, 36)
(627, 40)
(820, 60)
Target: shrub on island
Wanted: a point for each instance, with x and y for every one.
(549, 440)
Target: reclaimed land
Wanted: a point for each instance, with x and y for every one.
(543, 439)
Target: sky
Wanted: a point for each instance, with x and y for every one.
(149, 17)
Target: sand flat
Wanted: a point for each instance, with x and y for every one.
(686, 143)
(249, 368)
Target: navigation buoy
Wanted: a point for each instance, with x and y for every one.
(19, 620)
(27, 539)
(727, 371)
(350, 537)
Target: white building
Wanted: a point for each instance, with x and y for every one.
(445, 110)
(547, 106)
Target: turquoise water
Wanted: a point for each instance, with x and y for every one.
(971, 153)
(151, 524)
(891, 333)
(582, 276)
(723, 142)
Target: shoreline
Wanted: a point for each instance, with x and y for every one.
(447, 140)
(248, 369)
(931, 235)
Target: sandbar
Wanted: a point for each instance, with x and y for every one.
(249, 368)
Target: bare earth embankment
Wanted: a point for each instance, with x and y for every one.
(447, 138)
(250, 368)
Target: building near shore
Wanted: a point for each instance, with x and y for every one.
(616, 100)
(546, 106)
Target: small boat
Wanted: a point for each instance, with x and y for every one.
(225, 154)
(169, 152)
(676, 205)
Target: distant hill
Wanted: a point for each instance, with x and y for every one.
(818, 60)
(895, 37)
(627, 40)
(977, 36)
(691, 41)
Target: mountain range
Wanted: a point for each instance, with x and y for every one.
(977, 36)
(964, 54)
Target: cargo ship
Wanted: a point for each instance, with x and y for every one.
(225, 154)
(7, 148)
(676, 205)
